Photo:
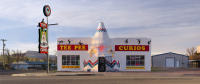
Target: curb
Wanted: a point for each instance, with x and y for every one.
(29, 74)
(18, 74)
(55, 74)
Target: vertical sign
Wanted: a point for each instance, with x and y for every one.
(43, 42)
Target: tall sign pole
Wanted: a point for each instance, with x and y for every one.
(47, 12)
(43, 34)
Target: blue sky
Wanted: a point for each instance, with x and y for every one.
(173, 25)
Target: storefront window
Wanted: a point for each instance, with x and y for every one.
(135, 60)
(71, 60)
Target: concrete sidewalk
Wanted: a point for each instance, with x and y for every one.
(59, 74)
(116, 74)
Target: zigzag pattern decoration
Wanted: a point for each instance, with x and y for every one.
(90, 63)
(102, 30)
(93, 64)
(113, 63)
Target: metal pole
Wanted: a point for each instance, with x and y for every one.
(47, 49)
(47, 63)
(3, 40)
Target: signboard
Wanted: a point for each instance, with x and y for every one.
(42, 25)
(135, 67)
(43, 43)
(70, 66)
(47, 10)
(131, 47)
(72, 47)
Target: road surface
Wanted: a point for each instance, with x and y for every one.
(109, 78)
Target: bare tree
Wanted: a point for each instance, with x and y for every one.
(19, 56)
(192, 53)
(8, 56)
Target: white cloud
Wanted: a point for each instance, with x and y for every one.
(176, 39)
(172, 25)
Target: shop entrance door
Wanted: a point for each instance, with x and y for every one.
(102, 64)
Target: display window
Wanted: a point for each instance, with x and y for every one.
(73, 60)
(135, 60)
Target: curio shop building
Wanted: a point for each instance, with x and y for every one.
(103, 54)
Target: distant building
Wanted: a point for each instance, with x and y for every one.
(36, 55)
(28, 65)
(37, 60)
(37, 65)
(19, 65)
(194, 63)
(170, 60)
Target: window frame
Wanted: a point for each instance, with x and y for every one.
(134, 60)
(71, 60)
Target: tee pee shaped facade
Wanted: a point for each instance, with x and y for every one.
(102, 54)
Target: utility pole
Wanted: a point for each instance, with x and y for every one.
(3, 40)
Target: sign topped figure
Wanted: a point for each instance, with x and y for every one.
(43, 37)
(47, 10)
